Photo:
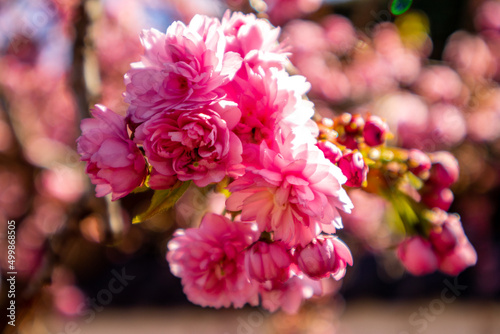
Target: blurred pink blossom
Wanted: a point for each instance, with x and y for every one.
(439, 83)
(469, 55)
(340, 33)
(488, 16)
(367, 216)
(52, 179)
(447, 125)
(281, 11)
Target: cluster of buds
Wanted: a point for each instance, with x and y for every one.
(417, 184)
(352, 131)
(344, 139)
(325, 256)
(439, 242)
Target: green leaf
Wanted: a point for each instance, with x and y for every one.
(140, 189)
(163, 200)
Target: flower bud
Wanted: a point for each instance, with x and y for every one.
(444, 170)
(443, 239)
(348, 140)
(461, 257)
(331, 151)
(438, 197)
(417, 256)
(354, 168)
(268, 261)
(375, 131)
(355, 125)
(418, 162)
(324, 256)
(453, 261)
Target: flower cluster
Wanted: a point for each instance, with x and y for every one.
(210, 102)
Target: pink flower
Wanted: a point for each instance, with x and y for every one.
(296, 192)
(417, 256)
(268, 261)
(182, 69)
(354, 168)
(325, 256)
(269, 100)
(289, 295)
(254, 39)
(114, 163)
(210, 262)
(193, 145)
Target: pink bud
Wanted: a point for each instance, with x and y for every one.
(375, 131)
(324, 256)
(354, 168)
(461, 257)
(417, 256)
(355, 125)
(438, 197)
(268, 261)
(443, 239)
(348, 140)
(444, 170)
(418, 162)
(331, 151)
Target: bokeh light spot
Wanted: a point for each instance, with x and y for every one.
(399, 7)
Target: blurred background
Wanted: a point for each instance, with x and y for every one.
(430, 68)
